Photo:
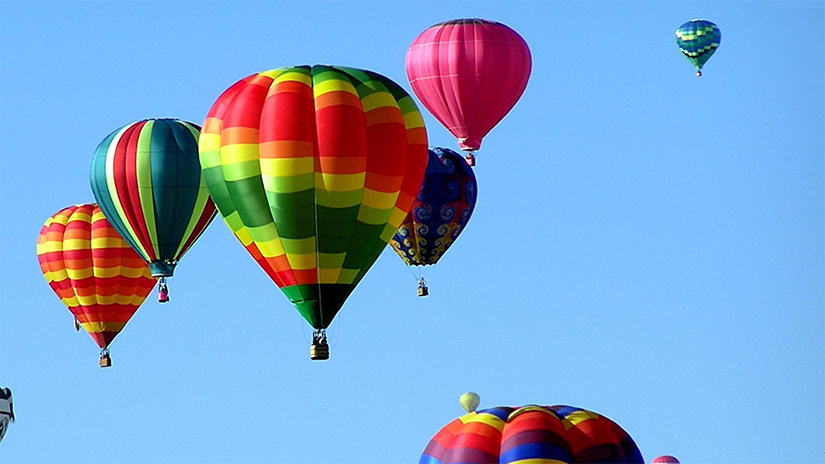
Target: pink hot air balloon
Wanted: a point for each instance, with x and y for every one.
(469, 73)
(666, 459)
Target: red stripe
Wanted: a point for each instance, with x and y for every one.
(125, 178)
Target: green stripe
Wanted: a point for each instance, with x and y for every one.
(144, 179)
(200, 203)
(176, 178)
(308, 298)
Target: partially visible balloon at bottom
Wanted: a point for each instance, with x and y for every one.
(666, 459)
(531, 433)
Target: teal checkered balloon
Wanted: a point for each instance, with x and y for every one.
(698, 40)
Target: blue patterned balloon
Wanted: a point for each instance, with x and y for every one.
(698, 40)
(440, 212)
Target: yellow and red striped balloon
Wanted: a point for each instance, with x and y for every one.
(93, 271)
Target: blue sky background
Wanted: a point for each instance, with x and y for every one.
(646, 244)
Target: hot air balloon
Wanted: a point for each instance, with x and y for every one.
(313, 168)
(666, 459)
(698, 40)
(558, 434)
(93, 271)
(439, 214)
(6, 411)
(147, 180)
(469, 401)
(469, 73)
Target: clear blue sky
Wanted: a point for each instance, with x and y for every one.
(646, 244)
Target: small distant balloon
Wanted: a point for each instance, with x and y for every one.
(469, 401)
(698, 40)
(666, 459)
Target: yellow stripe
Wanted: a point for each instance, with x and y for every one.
(333, 85)
(579, 416)
(271, 248)
(49, 247)
(77, 215)
(55, 276)
(78, 274)
(109, 299)
(286, 167)
(108, 242)
(339, 182)
(378, 200)
(239, 153)
(301, 261)
(70, 302)
(287, 74)
(378, 100)
(413, 120)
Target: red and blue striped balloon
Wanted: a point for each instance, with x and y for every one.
(531, 434)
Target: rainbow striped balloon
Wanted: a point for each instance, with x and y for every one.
(313, 168)
(531, 434)
(147, 179)
(93, 271)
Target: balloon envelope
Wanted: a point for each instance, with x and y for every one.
(468, 73)
(147, 180)
(666, 459)
(93, 271)
(313, 168)
(469, 401)
(698, 40)
(6, 411)
(440, 211)
(531, 434)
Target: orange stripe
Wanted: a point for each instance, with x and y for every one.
(338, 98)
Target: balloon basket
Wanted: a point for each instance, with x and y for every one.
(163, 291)
(471, 159)
(319, 352)
(423, 291)
(105, 360)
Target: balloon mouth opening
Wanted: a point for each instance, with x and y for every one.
(468, 144)
(162, 268)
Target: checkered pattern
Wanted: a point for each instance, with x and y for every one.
(698, 40)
